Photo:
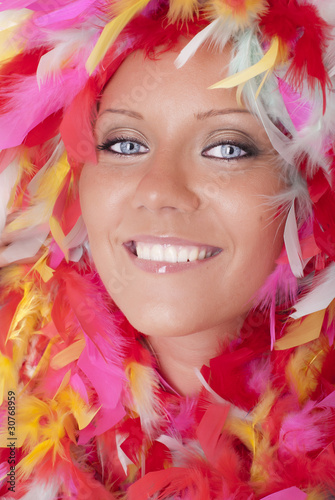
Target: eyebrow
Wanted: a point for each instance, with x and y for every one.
(121, 111)
(216, 112)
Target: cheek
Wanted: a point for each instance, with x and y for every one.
(101, 200)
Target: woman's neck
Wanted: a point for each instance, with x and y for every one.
(179, 356)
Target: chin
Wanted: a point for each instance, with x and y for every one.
(158, 324)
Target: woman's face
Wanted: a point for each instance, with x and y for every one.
(182, 173)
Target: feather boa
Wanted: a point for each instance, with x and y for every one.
(92, 409)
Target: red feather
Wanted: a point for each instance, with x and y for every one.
(304, 32)
(45, 130)
(77, 126)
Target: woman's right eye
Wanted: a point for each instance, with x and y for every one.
(124, 147)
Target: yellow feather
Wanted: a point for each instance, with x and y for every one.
(76, 405)
(183, 10)
(58, 236)
(32, 313)
(128, 9)
(304, 366)
(43, 363)
(8, 377)
(267, 62)
(68, 355)
(241, 14)
(10, 45)
(142, 382)
(44, 196)
(26, 466)
(42, 268)
(302, 331)
(64, 383)
(331, 313)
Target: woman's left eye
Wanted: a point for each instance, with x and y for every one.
(225, 151)
(125, 147)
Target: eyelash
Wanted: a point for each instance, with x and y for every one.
(246, 148)
(106, 145)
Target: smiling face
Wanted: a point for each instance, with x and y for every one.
(182, 173)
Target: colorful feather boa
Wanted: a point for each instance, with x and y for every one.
(94, 417)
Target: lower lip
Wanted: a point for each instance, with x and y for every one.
(152, 266)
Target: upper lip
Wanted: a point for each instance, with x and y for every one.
(167, 240)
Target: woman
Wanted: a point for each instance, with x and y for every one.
(183, 368)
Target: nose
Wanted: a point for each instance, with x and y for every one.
(165, 184)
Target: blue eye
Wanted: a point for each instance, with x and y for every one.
(123, 146)
(226, 151)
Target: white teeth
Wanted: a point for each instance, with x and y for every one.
(183, 255)
(193, 255)
(157, 253)
(202, 254)
(171, 253)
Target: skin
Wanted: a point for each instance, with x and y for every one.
(179, 187)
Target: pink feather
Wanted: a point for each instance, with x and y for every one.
(21, 118)
(66, 13)
(287, 494)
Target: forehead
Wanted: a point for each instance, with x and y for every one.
(140, 79)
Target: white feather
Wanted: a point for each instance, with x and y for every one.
(124, 460)
(7, 182)
(292, 245)
(77, 235)
(278, 140)
(67, 43)
(325, 8)
(42, 491)
(190, 49)
(25, 248)
(320, 297)
(12, 17)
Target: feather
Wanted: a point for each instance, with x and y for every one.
(18, 120)
(143, 384)
(200, 38)
(319, 298)
(15, 4)
(182, 10)
(70, 47)
(66, 13)
(8, 377)
(26, 466)
(24, 248)
(298, 108)
(68, 355)
(129, 9)
(301, 331)
(71, 400)
(76, 128)
(302, 26)
(42, 490)
(210, 428)
(107, 380)
(44, 191)
(8, 180)
(267, 62)
(242, 12)
(292, 245)
(287, 494)
(278, 140)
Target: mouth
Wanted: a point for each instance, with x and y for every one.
(171, 253)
